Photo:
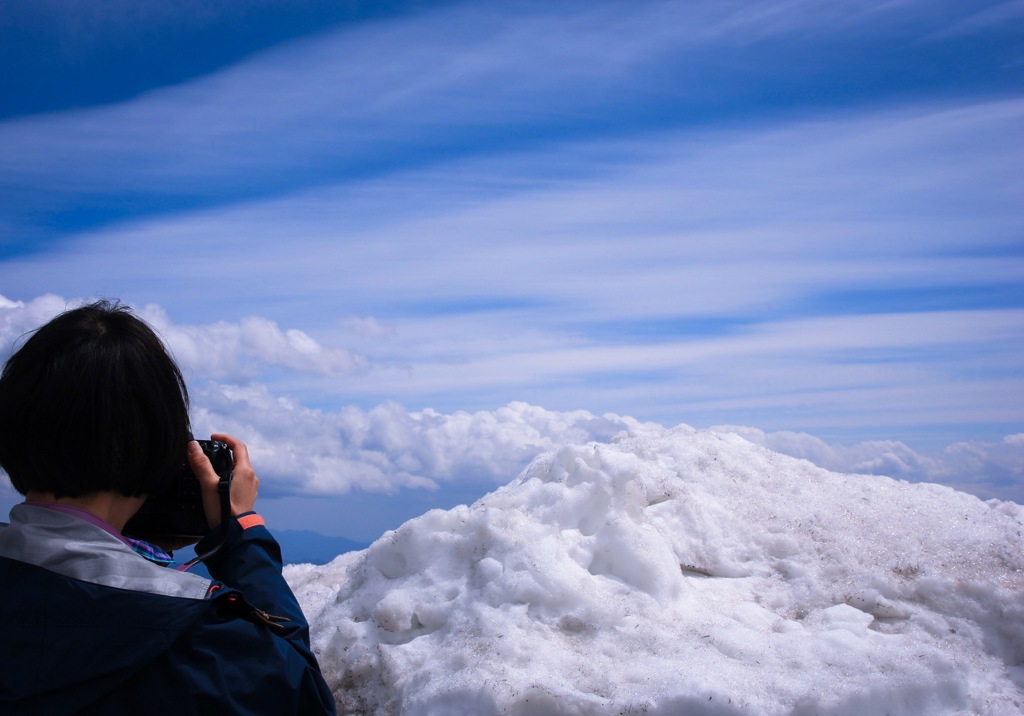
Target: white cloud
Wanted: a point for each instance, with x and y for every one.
(877, 457)
(18, 318)
(987, 469)
(387, 448)
(219, 350)
(299, 450)
(231, 350)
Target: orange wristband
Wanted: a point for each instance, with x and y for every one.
(250, 520)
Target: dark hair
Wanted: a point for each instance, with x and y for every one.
(92, 402)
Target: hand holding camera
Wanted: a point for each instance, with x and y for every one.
(215, 481)
(244, 483)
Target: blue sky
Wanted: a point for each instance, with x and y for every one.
(402, 247)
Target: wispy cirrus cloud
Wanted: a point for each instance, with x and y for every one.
(715, 223)
(832, 272)
(411, 90)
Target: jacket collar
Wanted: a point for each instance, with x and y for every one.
(68, 544)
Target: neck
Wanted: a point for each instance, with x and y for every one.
(112, 507)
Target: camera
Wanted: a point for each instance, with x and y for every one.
(177, 511)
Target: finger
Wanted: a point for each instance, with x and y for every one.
(208, 479)
(245, 485)
(239, 452)
(200, 464)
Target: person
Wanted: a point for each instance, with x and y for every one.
(93, 418)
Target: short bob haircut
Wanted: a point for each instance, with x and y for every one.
(93, 402)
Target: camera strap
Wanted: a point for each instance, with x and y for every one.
(224, 493)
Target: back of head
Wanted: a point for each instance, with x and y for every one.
(92, 402)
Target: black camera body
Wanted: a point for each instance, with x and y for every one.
(177, 511)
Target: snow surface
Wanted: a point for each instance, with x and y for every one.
(681, 571)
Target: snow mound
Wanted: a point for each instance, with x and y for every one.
(681, 571)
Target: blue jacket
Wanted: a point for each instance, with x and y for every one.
(88, 626)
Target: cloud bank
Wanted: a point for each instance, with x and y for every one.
(984, 468)
(388, 447)
(302, 450)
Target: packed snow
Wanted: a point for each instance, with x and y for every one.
(681, 571)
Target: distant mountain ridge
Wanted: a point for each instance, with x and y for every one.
(308, 547)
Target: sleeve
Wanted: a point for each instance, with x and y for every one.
(250, 562)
